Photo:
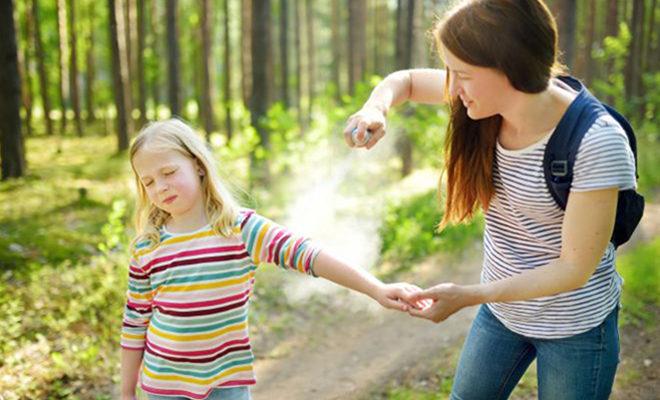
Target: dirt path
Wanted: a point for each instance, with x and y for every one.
(366, 350)
(369, 348)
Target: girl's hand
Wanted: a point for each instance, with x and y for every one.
(397, 296)
(447, 299)
(368, 118)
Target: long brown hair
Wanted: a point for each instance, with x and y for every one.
(516, 37)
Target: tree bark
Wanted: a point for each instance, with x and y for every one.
(261, 96)
(311, 63)
(633, 76)
(12, 150)
(284, 52)
(74, 83)
(357, 46)
(141, 79)
(91, 65)
(228, 69)
(590, 38)
(118, 79)
(336, 49)
(41, 68)
(173, 58)
(62, 54)
(25, 63)
(246, 51)
(565, 11)
(207, 101)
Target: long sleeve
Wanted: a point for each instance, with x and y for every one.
(137, 311)
(269, 242)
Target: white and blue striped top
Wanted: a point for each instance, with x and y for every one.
(523, 231)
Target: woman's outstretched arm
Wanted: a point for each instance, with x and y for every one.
(418, 85)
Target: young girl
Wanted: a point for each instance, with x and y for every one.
(549, 284)
(192, 272)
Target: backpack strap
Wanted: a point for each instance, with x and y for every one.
(562, 147)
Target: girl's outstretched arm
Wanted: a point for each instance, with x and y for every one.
(130, 367)
(388, 295)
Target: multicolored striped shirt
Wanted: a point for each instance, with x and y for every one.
(187, 303)
(523, 231)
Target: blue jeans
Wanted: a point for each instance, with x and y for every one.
(232, 393)
(493, 359)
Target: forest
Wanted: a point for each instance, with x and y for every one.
(269, 84)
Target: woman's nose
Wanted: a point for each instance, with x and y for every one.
(454, 88)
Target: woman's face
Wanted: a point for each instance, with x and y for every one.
(483, 91)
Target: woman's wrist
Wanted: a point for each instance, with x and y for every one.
(478, 294)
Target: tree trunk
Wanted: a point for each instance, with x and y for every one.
(155, 45)
(74, 84)
(357, 46)
(633, 75)
(63, 69)
(648, 45)
(228, 69)
(565, 11)
(12, 150)
(284, 52)
(336, 49)
(25, 62)
(118, 78)
(299, 70)
(261, 96)
(173, 58)
(41, 67)
(590, 38)
(246, 51)
(141, 79)
(91, 65)
(207, 101)
(129, 55)
(311, 63)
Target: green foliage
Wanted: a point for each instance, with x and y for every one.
(641, 288)
(409, 231)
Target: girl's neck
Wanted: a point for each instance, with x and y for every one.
(530, 116)
(192, 220)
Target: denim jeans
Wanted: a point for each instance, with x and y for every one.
(493, 359)
(232, 393)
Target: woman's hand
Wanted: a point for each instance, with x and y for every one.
(397, 296)
(369, 118)
(447, 299)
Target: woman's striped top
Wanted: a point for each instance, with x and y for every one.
(187, 303)
(523, 231)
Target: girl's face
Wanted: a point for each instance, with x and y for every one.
(482, 91)
(172, 181)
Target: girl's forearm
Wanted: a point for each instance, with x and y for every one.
(556, 277)
(130, 367)
(337, 271)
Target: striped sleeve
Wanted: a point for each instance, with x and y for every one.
(604, 159)
(268, 242)
(138, 308)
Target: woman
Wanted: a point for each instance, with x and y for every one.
(549, 289)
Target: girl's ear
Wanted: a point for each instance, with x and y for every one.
(200, 169)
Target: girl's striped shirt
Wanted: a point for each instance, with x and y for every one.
(187, 303)
(523, 231)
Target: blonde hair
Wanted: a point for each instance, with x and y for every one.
(173, 134)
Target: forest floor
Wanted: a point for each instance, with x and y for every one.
(358, 352)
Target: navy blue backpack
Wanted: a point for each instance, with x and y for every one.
(562, 148)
